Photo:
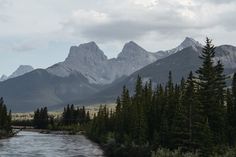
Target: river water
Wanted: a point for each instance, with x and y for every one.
(33, 144)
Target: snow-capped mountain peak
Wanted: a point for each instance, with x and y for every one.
(188, 42)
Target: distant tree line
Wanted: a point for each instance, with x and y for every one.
(5, 120)
(70, 116)
(22, 122)
(197, 115)
(41, 118)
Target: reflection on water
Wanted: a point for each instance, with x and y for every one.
(33, 144)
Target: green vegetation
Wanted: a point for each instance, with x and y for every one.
(22, 122)
(41, 118)
(5, 121)
(72, 119)
(75, 116)
(194, 118)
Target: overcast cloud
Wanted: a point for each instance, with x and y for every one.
(40, 32)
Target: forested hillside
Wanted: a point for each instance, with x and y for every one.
(196, 116)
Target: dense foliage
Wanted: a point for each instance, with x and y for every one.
(71, 120)
(5, 120)
(196, 116)
(75, 116)
(22, 122)
(41, 118)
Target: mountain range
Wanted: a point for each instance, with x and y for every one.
(90, 61)
(179, 63)
(87, 76)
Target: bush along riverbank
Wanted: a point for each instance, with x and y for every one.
(194, 118)
(5, 121)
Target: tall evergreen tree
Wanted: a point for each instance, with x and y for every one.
(140, 118)
(171, 100)
(5, 118)
(231, 113)
(230, 119)
(234, 101)
(41, 118)
(210, 82)
(198, 132)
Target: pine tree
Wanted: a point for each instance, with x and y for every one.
(197, 134)
(210, 83)
(83, 114)
(171, 100)
(220, 103)
(119, 121)
(182, 123)
(220, 83)
(154, 115)
(234, 101)
(36, 118)
(230, 121)
(41, 118)
(88, 118)
(138, 124)
(5, 118)
(234, 90)
(205, 139)
(126, 111)
(231, 112)
(45, 118)
(179, 132)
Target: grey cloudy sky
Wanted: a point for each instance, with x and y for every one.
(40, 33)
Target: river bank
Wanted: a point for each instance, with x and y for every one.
(57, 132)
(4, 134)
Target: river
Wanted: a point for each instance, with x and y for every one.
(33, 144)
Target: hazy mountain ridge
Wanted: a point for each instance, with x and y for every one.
(40, 88)
(21, 70)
